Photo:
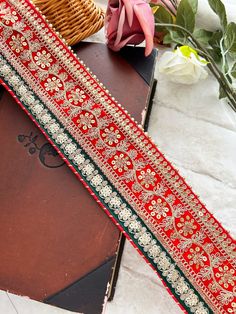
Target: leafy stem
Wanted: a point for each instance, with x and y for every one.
(226, 69)
(221, 77)
(223, 53)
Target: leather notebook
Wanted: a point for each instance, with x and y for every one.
(48, 221)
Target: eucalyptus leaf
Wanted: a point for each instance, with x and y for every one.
(203, 36)
(216, 56)
(194, 5)
(162, 16)
(185, 16)
(227, 70)
(174, 37)
(167, 40)
(232, 55)
(219, 8)
(226, 66)
(230, 38)
(215, 41)
(233, 70)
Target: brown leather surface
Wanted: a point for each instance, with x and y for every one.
(125, 84)
(52, 232)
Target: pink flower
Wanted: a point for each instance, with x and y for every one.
(129, 22)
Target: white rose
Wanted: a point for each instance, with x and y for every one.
(183, 66)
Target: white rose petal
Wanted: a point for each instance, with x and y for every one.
(181, 69)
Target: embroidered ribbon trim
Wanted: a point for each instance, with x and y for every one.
(117, 162)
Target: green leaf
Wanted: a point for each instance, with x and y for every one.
(215, 41)
(203, 36)
(216, 56)
(162, 16)
(174, 37)
(219, 9)
(194, 5)
(185, 16)
(232, 55)
(167, 39)
(230, 38)
(222, 93)
(233, 70)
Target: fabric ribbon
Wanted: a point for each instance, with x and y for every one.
(117, 162)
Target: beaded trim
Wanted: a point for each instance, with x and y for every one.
(99, 140)
(103, 189)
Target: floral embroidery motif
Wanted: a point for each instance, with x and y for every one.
(121, 162)
(125, 214)
(53, 84)
(86, 121)
(17, 43)
(8, 14)
(197, 257)
(145, 239)
(111, 136)
(186, 225)
(43, 59)
(226, 276)
(147, 178)
(77, 96)
(158, 208)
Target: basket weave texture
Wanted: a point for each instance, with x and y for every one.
(73, 19)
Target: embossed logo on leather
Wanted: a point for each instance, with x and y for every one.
(47, 155)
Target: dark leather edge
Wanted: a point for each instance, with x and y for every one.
(1, 91)
(116, 269)
(150, 105)
(136, 58)
(88, 294)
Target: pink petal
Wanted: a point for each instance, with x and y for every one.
(146, 20)
(121, 44)
(111, 21)
(129, 11)
(120, 26)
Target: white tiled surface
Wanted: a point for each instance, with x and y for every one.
(198, 134)
(13, 304)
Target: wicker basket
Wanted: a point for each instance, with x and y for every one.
(73, 19)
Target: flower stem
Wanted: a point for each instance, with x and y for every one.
(223, 81)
